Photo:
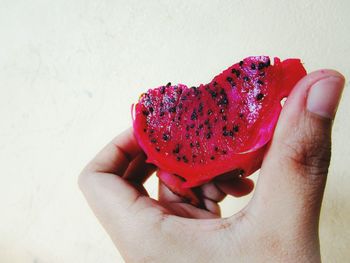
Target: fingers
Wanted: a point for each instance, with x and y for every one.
(115, 156)
(109, 195)
(210, 194)
(179, 207)
(138, 170)
(294, 170)
(236, 187)
(165, 195)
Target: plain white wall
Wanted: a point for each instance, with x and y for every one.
(69, 71)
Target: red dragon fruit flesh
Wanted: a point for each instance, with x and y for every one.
(195, 134)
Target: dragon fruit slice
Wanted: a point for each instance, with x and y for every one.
(195, 134)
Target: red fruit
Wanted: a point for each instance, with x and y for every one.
(201, 132)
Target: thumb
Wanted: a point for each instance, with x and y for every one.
(295, 167)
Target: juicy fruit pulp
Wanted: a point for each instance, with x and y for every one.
(198, 133)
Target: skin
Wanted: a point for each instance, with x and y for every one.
(280, 223)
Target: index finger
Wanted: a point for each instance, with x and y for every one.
(116, 156)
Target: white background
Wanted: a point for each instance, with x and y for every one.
(69, 71)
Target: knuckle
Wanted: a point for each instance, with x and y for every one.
(309, 155)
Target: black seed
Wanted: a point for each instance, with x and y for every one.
(235, 128)
(252, 66)
(185, 159)
(216, 148)
(241, 115)
(236, 72)
(208, 135)
(206, 122)
(151, 131)
(192, 126)
(184, 98)
(145, 112)
(180, 106)
(213, 94)
(225, 133)
(260, 96)
(215, 83)
(260, 82)
(224, 118)
(200, 126)
(178, 158)
(153, 140)
(262, 74)
(161, 113)
(172, 110)
(191, 145)
(162, 90)
(241, 63)
(187, 128)
(267, 63)
(157, 149)
(246, 78)
(231, 133)
(223, 101)
(187, 136)
(200, 108)
(222, 110)
(229, 79)
(261, 65)
(194, 115)
(210, 112)
(144, 130)
(195, 90)
(224, 128)
(177, 149)
(179, 119)
(212, 157)
(166, 137)
(172, 100)
(169, 84)
(224, 151)
(151, 109)
(197, 132)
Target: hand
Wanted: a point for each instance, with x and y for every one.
(280, 223)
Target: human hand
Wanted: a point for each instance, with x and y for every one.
(280, 223)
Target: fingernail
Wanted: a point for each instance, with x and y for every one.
(324, 96)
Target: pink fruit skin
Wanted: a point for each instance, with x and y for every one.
(247, 99)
